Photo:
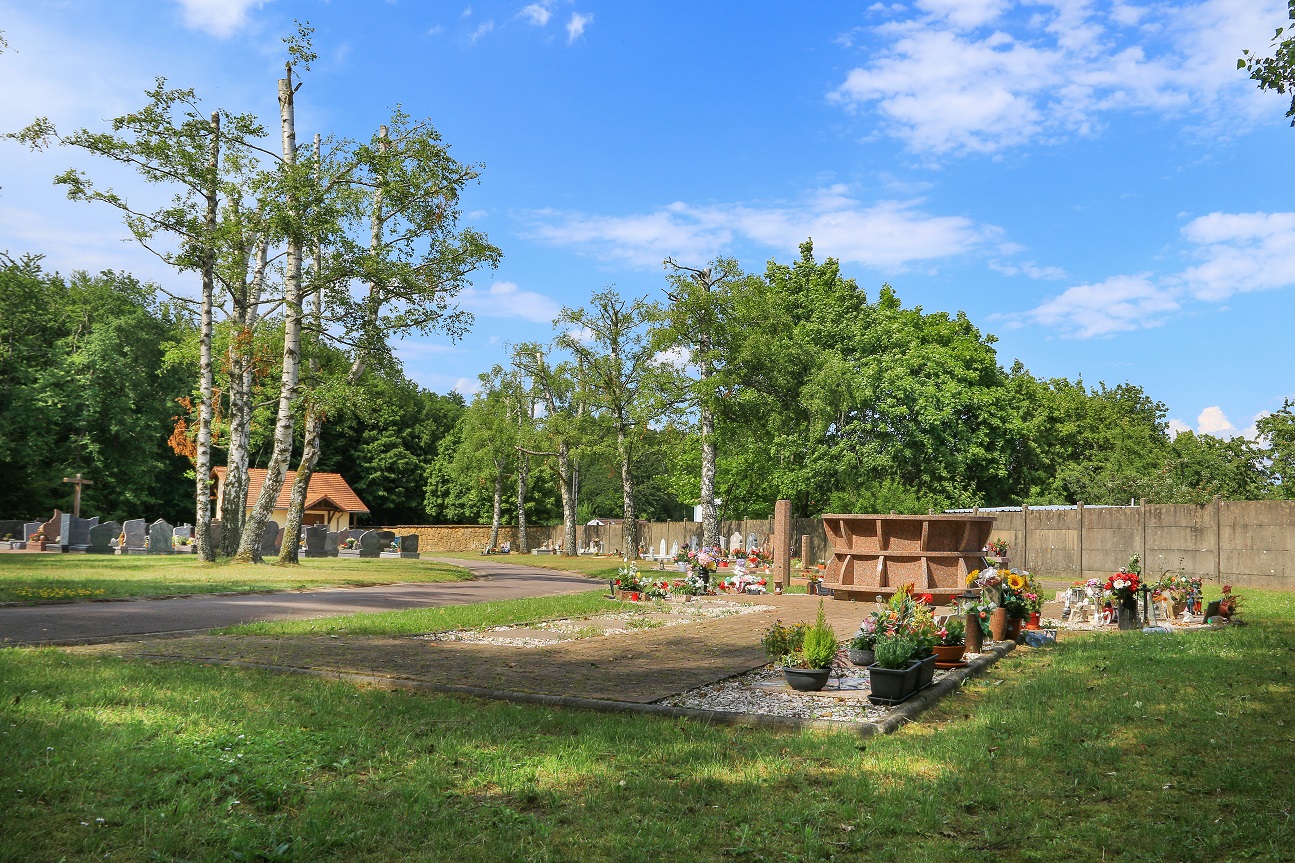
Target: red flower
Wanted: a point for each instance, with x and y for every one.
(926, 598)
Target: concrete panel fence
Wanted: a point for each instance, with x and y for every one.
(1246, 543)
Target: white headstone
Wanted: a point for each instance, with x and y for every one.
(735, 541)
(663, 547)
(723, 544)
(674, 548)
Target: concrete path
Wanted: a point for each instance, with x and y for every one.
(87, 622)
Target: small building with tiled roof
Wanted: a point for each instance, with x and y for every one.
(329, 500)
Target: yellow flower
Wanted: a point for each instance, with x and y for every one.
(972, 576)
(1016, 582)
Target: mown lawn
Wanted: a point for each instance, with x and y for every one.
(50, 577)
(1116, 747)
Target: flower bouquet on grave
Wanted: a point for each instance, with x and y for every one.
(629, 582)
(997, 548)
(1123, 586)
(657, 589)
(1230, 604)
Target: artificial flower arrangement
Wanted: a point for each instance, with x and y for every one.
(681, 556)
(1020, 593)
(1123, 586)
(1230, 604)
(657, 589)
(628, 579)
(997, 548)
(866, 637)
(690, 586)
(905, 616)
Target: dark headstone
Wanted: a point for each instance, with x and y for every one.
(213, 533)
(184, 531)
(317, 540)
(160, 535)
(330, 544)
(11, 529)
(409, 545)
(93, 520)
(102, 537)
(31, 528)
(270, 539)
(374, 542)
(136, 530)
(73, 532)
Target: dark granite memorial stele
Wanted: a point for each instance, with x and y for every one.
(409, 546)
(374, 542)
(330, 544)
(11, 529)
(160, 535)
(136, 530)
(74, 533)
(316, 540)
(102, 536)
(271, 538)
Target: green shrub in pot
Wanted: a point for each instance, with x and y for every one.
(894, 651)
(820, 643)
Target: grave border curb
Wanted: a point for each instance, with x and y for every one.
(897, 718)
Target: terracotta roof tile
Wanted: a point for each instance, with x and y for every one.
(327, 488)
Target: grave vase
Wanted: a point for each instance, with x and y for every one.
(1034, 621)
(1014, 625)
(975, 636)
(1127, 613)
(998, 624)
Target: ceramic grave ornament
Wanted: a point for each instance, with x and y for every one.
(159, 537)
(102, 536)
(752, 541)
(674, 548)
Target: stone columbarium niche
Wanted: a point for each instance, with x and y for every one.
(874, 555)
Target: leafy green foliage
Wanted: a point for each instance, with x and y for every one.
(820, 643)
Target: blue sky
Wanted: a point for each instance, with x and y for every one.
(1093, 182)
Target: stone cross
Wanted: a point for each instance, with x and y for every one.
(76, 497)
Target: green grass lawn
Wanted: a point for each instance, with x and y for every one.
(598, 567)
(50, 577)
(1115, 747)
(417, 621)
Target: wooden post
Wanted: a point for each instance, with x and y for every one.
(782, 544)
(77, 482)
(1080, 508)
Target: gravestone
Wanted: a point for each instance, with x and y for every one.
(662, 553)
(409, 545)
(374, 542)
(270, 538)
(11, 529)
(674, 549)
(735, 541)
(693, 544)
(102, 537)
(317, 540)
(184, 531)
(159, 537)
(345, 535)
(93, 520)
(330, 544)
(52, 527)
(752, 542)
(136, 530)
(31, 528)
(723, 544)
(213, 533)
(74, 533)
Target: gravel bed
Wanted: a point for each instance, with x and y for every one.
(740, 695)
(571, 629)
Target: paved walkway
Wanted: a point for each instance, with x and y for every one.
(85, 622)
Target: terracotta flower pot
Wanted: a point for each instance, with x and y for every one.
(1034, 621)
(949, 655)
(998, 624)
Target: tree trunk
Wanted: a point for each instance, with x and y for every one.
(709, 517)
(202, 458)
(498, 515)
(233, 501)
(289, 552)
(568, 500)
(523, 477)
(630, 529)
(249, 549)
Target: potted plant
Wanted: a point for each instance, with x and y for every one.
(953, 643)
(860, 648)
(808, 669)
(1122, 589)
(779, 640)
(893, 677)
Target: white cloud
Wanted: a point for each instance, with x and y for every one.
(1030, 269)
(1115, 305)
(506, 300)
(576, 26)
(1213, 421)
(482, 31)
(1177, 427)
(1236, 253)
(220, 18)
(535, 14)
(467, 387)
(945, 82)
(888, 234)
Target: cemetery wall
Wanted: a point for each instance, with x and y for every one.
(1246, 543)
